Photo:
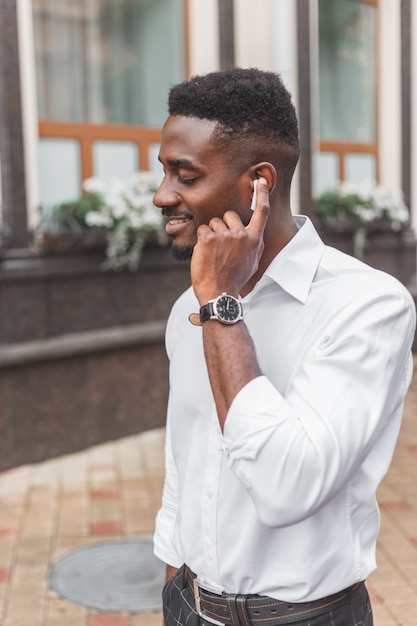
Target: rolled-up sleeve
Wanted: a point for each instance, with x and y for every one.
(293, 451)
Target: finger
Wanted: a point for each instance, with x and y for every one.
(207, 233)
(203, 232)
(232, 220)
(260, 215)
(216, 224)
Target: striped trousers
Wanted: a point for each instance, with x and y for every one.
(179, 609)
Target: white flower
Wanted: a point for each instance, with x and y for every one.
(363, 190)
(94, 185)
(113, 191)
(95, 218)
(142, 182)
(118, 208)
(382, 203)
(138, 202)
(136, 220)
(152, 216)
(401, 214)
(127, 212)
(366, 215)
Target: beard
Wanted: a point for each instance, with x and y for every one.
(182, 253)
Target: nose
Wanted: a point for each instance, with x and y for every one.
(165, 195)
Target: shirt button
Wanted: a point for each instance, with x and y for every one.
(211, 556)
(209, 494)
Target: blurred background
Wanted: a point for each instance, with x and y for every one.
(83, 92)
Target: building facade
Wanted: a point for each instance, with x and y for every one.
(83, 88)
(92, 78)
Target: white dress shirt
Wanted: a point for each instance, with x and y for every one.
(283, 503)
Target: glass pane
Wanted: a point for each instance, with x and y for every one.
(155, 164)
(107, 61)
(327, 171)
(360, 168)
(59, 171)
(347, 70)
(115, 159)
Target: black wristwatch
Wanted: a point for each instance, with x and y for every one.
(225, 308)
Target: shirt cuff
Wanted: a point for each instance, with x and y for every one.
(162, 546)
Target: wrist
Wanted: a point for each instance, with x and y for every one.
(224, 308)
(208, 295)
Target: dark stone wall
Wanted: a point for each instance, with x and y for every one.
(60, 406)
(82, 354)
(46, 296)
(391, 252)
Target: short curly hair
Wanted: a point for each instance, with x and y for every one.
(253, 109)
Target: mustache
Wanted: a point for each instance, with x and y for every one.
(172, 212)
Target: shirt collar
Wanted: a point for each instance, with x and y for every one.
(294, 268)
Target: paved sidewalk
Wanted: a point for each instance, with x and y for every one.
(113, 491)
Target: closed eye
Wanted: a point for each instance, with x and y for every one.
(187, 181)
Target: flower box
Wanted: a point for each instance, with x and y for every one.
(118, 218)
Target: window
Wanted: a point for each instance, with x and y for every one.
(347, 92)
(104, 68)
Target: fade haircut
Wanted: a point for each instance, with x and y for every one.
(254, 113)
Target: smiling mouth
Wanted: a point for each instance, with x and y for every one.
(176, 223)
(178, 220)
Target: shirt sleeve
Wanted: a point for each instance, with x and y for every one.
(294, 451)
(165, 517)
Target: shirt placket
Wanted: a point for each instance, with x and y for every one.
(210, 496)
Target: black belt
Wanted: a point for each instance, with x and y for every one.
(230, 609)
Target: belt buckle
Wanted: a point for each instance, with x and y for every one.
(196, 589)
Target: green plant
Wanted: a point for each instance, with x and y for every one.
(360, 209)
(362, 205)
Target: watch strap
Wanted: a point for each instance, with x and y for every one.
(206, 312)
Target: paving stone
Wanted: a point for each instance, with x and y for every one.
(112, 491)
(108, 620)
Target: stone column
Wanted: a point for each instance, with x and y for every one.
(226, 34)
(305, 167)
(406, 91)
(13, 180)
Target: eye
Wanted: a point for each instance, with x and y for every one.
(187, 181)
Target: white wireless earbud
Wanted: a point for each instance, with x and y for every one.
(253, 204)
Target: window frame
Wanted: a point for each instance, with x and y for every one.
(87, 133)
(343, 148)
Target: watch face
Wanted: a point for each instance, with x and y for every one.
(228, 309)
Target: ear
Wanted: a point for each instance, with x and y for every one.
(268, 171)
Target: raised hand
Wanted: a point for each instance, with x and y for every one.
(227, 252)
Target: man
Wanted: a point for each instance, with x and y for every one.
(289, 363)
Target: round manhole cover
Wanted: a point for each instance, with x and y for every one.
(111, 576)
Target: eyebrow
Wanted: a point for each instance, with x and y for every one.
(180, 163)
